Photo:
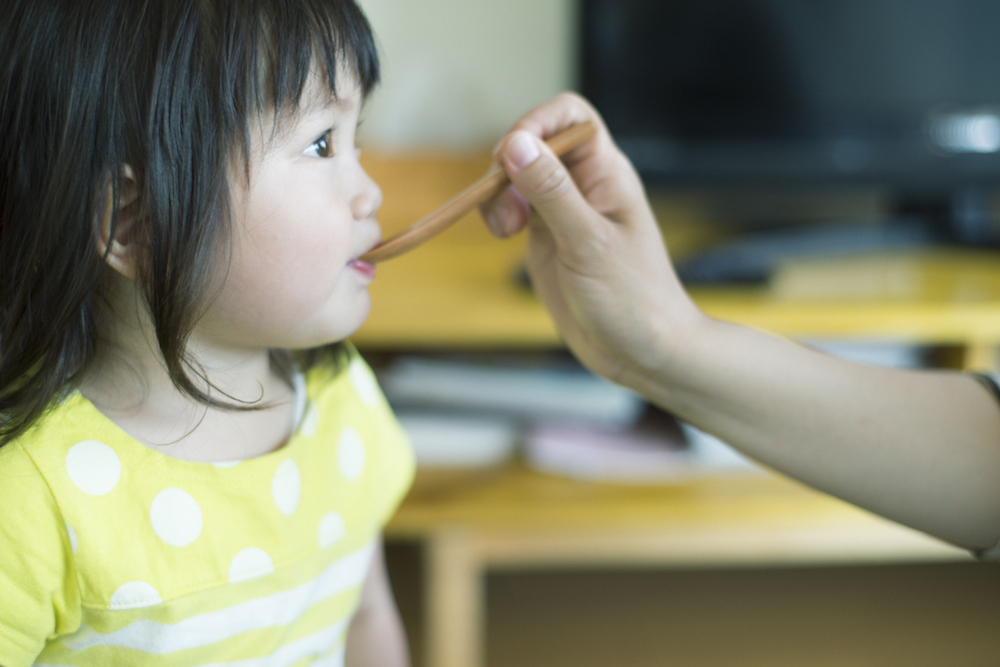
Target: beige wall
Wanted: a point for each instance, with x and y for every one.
(457, 73)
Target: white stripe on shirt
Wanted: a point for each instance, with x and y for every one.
(212, 627)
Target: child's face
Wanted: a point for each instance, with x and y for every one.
(295, 280)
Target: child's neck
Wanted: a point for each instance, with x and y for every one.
(130, 385)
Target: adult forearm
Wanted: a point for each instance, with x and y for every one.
(920, 447)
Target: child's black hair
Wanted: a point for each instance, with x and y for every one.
(170, 88)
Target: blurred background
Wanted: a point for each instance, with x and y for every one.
(824, 169)
(458, 73)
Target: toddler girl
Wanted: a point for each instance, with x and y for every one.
(193, 471)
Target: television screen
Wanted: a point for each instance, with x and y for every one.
(901, 93)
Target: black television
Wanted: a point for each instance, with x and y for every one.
(899, 95)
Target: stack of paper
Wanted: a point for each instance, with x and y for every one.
(525, 391)
(468, 412)
(478, 411)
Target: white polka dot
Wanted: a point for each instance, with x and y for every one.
(135, 594)
(364, 383)
(250, 563)
(351, 455)
(176, 517)
(72, 538)
(94, 467)
(226, 464)
(286, 487)
(310, 422)
(331, 529)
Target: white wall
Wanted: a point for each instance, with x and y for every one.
(457, 73)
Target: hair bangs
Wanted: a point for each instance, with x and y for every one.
(287, 41)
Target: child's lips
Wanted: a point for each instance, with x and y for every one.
(364, 268)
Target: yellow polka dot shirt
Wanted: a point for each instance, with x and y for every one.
(112, 553)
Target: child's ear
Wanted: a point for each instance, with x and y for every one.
(126, 248)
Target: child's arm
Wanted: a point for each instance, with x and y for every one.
(376, 637)
(922, 448)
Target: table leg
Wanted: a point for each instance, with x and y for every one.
(455, 603)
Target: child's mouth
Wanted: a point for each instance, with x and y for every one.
(364, 268)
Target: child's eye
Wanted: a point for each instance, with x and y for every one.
(322, 146)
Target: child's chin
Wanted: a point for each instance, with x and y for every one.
(350, 325)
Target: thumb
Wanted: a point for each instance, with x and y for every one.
(545, 182)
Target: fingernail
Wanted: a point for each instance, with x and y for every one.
(499, 221)
(522, 150)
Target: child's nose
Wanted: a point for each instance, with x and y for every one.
(368, 199)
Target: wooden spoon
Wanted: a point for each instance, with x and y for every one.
(477, 193)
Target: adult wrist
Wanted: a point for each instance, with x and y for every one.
(673, 352)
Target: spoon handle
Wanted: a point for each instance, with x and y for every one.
(477, 193)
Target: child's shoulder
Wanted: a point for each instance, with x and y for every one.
(64, 447)
(344, 375)
(347, 409)
(69, 422)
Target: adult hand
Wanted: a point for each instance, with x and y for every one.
(595, 254)
(916, 446)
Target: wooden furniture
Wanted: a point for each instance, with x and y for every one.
(473, 522)
(460, 290)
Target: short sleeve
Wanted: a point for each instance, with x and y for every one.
(393, 452)
(398, 469)
(37, 578)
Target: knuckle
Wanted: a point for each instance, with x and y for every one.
(553, 184)
(571, 98)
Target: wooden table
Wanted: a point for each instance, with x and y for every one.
(459, 291)
(473, 522)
